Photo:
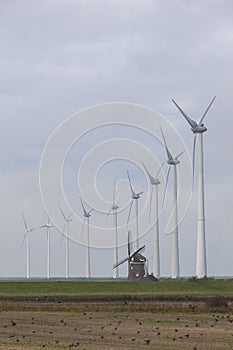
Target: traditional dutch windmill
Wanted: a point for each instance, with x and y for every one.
(137, 264)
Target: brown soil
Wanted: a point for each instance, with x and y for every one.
(114, 326)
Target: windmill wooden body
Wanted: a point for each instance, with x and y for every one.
(137, 264)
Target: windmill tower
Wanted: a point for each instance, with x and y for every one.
(48, 226)
(173, 162)
(155, 182)
(136, 262)
(114, 210)
(198, 128)
(135, 197)
(67, 220)
(26, 236)
(87, 215)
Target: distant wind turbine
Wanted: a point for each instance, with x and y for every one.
(87, 215)
(154, 181)
(48, 226)
(173, 162)
(67, 219)
(135, 197)
(114, 210)
(26, 236)
(198, 128)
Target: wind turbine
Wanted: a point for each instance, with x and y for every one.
(173, 162)
(48, 226)
(135, 197)
(198, 128)
(87, 215)
(28, 230)
(154, 181)
(67, 219)
(114, 209)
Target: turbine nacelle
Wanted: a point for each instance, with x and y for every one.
(68, 217)
(173, 161)
(47, 226)
(27, 228)
(196, 127)
(199, 129)
(30, 229)
(86, 213)
(68, 220)
(136, 195)
(170, 159)
(154, 181)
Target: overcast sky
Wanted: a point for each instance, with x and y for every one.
(59, 57)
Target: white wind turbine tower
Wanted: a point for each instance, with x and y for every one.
(87, 215)
(173, 162)
(135, 197)
(67, 219)
(28, 230)
(48, 226)
(154, 181)
(199, 128)
(114, 209)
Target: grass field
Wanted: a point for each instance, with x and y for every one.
(164, 290)
(169, 314)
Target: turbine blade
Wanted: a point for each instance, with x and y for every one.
(131, 187)
(165, 145)
(137, 251)
(43, 226)
(191, 122)
(49, 221)
(139, 194)
(24, 236)
(180, 154)
(25, 223)
(109, 212)
(129, 244)
(130, 208)
(202, 118)
(151, 196)
(165, 191)
(194, 152)
(69, 216)
(63, 233)
(159, 170)
(120, 262)
(62, 213)
(90, 211)
(84, 221)
(148, 173)
(84, 210)
(114, 193)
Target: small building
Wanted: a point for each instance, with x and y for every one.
(138, 271)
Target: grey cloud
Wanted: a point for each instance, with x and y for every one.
(60, 56)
